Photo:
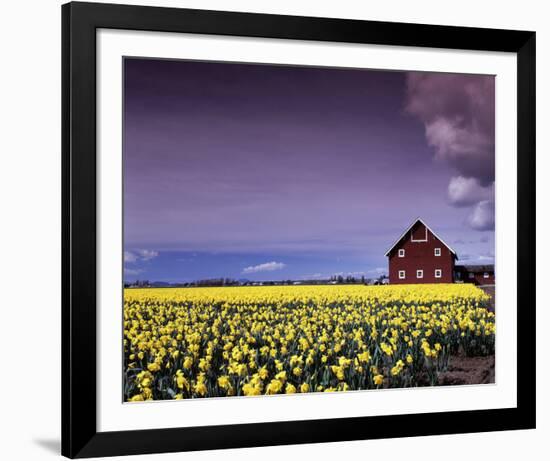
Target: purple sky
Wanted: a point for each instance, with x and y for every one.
(275, 172)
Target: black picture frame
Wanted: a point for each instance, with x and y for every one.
(80, 21)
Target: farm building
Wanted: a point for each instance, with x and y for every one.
(420, 256)
(478, 275)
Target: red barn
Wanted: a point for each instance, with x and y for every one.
(420, 256)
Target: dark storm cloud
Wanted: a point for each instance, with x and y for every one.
(458, 113)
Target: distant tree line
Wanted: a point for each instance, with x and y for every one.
(347, 279)
(216, 282)
(229, 282)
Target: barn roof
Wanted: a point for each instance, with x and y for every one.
(428, 227)
(476, 268)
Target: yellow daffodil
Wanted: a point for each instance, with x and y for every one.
(223, 341)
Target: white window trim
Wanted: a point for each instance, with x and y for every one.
(437, 251)
(438, 271)
(425, 239)
(419, 274)
(402, 275)
(401, 253)
(485, 275)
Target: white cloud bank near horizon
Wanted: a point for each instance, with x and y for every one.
(265, 267)
(135, 256)
(139, 255)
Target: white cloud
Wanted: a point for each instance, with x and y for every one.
(139, 255)
(378, 270)
(316, 276)
(129, 257)
(482, 258)
(265, 267)
(132, 271)
(468, 191)
(368, 273)
(483, 216)
(146, 255)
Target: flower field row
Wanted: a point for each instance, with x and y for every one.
(211, 342)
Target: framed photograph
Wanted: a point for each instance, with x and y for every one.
(282, 230)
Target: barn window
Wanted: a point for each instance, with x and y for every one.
(401, 275)
(437, 251)
(401, 253)
(437, 273)
(485, 275)
(471, 275)
(419, 274)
